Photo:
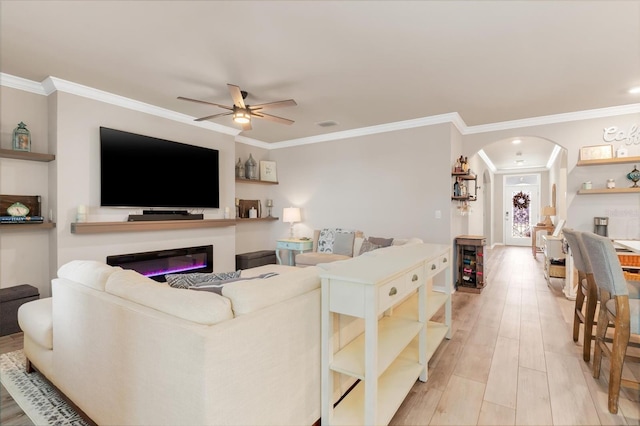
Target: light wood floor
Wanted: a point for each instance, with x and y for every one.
(511, 359)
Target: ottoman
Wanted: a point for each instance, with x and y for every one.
(11, 298)
(255, 258)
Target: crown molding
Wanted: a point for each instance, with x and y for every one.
(8, 80)
(452, 118)
(52, 84)
(554, 119)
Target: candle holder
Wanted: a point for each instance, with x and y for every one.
(270, 206)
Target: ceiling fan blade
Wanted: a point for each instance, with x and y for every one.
(236, 95)
(272, 118)
(208, 117)
(277, 104)
(205, 102)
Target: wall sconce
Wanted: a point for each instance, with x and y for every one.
(548, 211)
(291, 215)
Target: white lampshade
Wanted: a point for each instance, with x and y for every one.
(291, 214)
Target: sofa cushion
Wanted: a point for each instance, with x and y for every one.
(90, 273)
(367, 246)
(311, 258)
(252, 295)
(217, 285)
(327, 237)
(382, 242)
(200, 307)
(193, 279)
(343, 243)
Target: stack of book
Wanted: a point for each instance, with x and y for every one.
(21, 219)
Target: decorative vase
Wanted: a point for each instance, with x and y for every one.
(239, 169)
(250, 168)
(21, 138)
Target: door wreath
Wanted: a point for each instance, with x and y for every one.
(521, 201)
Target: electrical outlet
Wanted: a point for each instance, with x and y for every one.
(438, 214)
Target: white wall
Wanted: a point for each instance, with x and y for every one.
(386, 185)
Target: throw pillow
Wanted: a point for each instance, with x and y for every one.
(188, 280)
(343, 243)
(368, 246)
(327, 238)
(382, 242)
(217, 285)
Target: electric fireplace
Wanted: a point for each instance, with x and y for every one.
(155, 264)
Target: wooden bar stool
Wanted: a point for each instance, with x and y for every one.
(587, 293)
(615, 308)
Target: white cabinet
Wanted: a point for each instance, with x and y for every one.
(392, 290)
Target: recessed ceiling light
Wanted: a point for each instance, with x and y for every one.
(516, 141)
(328, 123)
(634, 90)
(519, 162)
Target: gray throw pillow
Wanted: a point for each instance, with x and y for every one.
(343, 243)
(189, 280)
(382, 242)
(368, 246)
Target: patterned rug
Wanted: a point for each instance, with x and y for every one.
(37, 398)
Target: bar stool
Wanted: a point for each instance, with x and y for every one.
(587, 293)
(615, 308)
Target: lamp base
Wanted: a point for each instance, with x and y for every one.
(547, 221)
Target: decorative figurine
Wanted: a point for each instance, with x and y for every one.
(21, 138)
(239, 169)
(634, 176)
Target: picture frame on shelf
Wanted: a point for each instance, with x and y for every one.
(268, 171)
(596, 152)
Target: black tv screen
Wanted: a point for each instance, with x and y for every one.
(143, 171)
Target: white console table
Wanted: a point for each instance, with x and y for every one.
(394, 349)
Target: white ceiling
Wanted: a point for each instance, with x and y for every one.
(359, 63)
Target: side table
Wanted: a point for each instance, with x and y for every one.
(293, 245)
(534, 234)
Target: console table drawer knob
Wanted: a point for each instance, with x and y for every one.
(393, 291)
(433, 266)
(414, 278)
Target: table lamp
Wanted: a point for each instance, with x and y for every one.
(548, 211)
(291, 215)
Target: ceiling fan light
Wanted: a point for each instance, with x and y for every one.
(241, 116)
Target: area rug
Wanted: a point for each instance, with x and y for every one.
(37, 398)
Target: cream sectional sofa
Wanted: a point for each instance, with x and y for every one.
(344, 251)
(131, 351)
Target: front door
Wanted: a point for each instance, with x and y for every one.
(521, 207)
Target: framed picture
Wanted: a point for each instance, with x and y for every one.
(268, 171)
(596, 152)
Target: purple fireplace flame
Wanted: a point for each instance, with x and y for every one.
(156, 264)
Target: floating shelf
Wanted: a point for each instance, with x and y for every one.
(464, 175)
(603, 161)
(152, 225)
(258, 219)
(262, 182)
(24, 155)
(609, 191)
(19, 227)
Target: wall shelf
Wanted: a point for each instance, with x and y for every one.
(604, 161)
(257, 219)
(608, 191)
(261, 182)
(159, 225)
(23, 155)
(21, 227)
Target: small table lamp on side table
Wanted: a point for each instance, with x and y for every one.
(291, 215)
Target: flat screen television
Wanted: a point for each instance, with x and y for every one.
(143, 171)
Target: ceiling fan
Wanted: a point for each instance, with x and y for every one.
(243, 113)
